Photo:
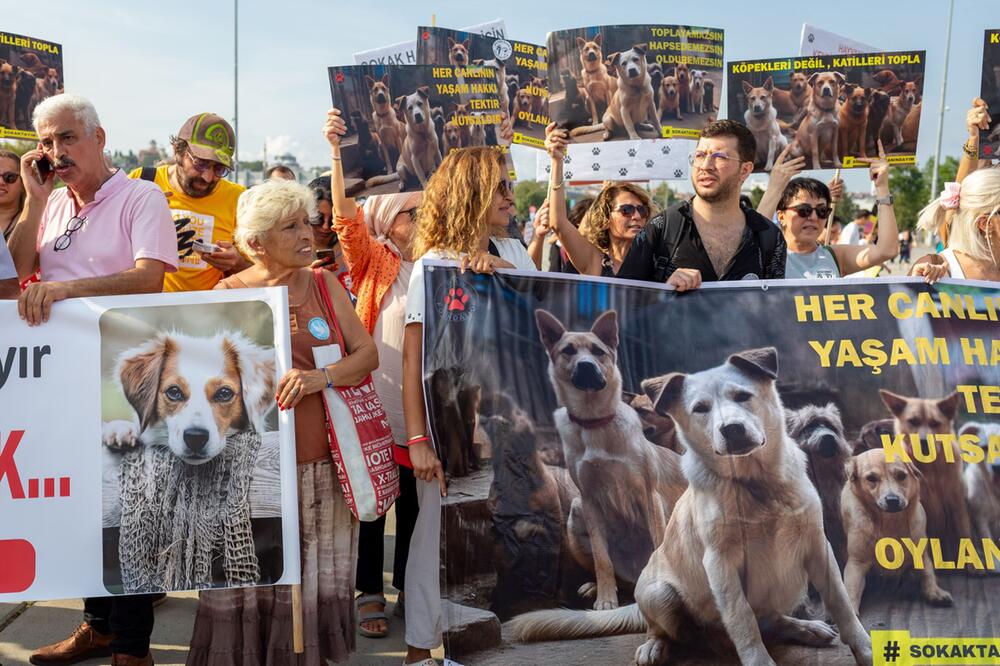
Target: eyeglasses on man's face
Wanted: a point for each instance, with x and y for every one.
(201, 166)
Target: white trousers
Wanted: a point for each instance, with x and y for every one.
(423, 571)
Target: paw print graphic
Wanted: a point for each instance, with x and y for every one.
(595, 166)
(665, 150)
(548, 168)
(632, 152)
(567, 159)
(678, 173)
(568, 175)
(623, 171)
(456, 299)
(595, 151)
(649, 164)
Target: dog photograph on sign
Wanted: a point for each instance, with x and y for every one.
(31, 71)
(191, 492)
(989, 139)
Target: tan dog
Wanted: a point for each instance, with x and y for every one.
(462, 111)
(458, 53)
(389, 129)
(31, 62)
(889, 82)
(8, 90)
(745, 538)
(899, 108)
(670, 99)
(853, 120)
(818, 134)
(477, 131)
(911, 125)
(452, 137)
(628, 486)
(522, 103)
(632, 102)
(421, 154)
(882, 500)
(657, 428)
(600, 85)
(943, 498)
(762, 119)
(537, 87)
(790, 102)
(982, 481)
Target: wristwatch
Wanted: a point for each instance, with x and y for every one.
(886, 201)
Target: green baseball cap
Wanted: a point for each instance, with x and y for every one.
(210, 137)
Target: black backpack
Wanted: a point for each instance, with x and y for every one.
(148, 173)
(666, 239)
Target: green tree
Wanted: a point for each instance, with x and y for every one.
(19, 146)
(528, 193)
(946, 173)
(846, 208)
(911, 189)
(756, 194)
(663, 195)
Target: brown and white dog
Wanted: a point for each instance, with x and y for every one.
(882, 500)
(853, 120)
(982, 480)
(818, 132)
(421, 154)
(522, 104)
(632, 102)
(628, 486)
(930, 424)
(762, 119)
(790, 102)
(600, 85)
(697, 90)
(745, 538)
(899, 108)
(458, 53)
(390, 130)
(189, 393)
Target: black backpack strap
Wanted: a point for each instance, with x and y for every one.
(666, 245)
(767, 242)
(148, 173)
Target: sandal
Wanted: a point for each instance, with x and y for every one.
(368, 616)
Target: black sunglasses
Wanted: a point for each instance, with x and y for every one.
(805, 210)
(318, 220)
(10, 177)
(628, 210)
(506, 187)
(66, 238)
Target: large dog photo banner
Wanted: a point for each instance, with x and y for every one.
(630, 82)
(520, 72)
(989, 139)
(637, 161)
(831, 109)
(140, 450)
(403, 119)
(31, 71)
(631, 476)
(405, 53)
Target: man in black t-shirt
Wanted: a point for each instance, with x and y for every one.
(711, 237)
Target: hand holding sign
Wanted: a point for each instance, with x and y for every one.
(978, 118)
(555, 141)
(878, 170)
(334, 128)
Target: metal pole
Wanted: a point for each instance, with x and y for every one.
(236, 87)
(944, 86)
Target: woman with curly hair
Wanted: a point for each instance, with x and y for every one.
(463, 217)
(615, 217)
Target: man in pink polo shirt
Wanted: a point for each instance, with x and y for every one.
(102, 234)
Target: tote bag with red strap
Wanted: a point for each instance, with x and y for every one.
(360, 438)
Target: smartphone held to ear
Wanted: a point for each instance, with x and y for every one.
(42, 168)
(202, 246)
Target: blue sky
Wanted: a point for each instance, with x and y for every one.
(148, 66)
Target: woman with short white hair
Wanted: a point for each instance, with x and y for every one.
(255, 623)
(973, 250)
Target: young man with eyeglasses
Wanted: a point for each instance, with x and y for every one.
(101, 235)
(711, 237)
(202, 202)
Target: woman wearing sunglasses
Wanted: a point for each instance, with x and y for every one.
(11, 192)
(377, 245)
(803, 210)
(615, 218)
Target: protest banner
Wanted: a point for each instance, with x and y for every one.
(629, 82)
(204, 498)
(403, 119)
(405, 53)
(989, 139)
(31, 70)
(817, 41)
(634, 445)
(520, 72)
(637, 161)
(798, 101)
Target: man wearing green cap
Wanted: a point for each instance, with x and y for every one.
(202, 202)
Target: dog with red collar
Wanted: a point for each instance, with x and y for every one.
(628, 485)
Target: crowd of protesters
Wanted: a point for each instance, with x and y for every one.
(108, 233)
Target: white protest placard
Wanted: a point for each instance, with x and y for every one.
(817, 41)
(140, 449)
(405, 53)
(648, 159)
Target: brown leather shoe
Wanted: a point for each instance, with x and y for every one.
(85, 643)
(129, 660)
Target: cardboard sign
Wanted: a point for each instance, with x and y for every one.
(989, 139)
(520, 72)
(637, 161)
(405, 53)
(831, 108)
(817, 41)
(31, 71)
(630, 82)
(403, 119)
